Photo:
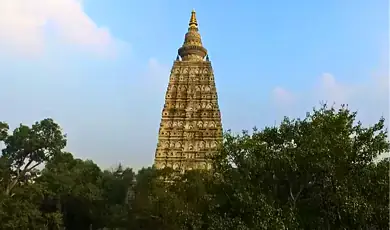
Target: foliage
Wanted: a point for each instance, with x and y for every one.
(319, 172)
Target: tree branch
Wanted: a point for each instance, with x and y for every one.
(295, 197)
(25, 169)
(20, 174)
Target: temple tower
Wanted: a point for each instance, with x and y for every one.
(191, 127)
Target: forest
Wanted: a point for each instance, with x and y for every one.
(322, 171)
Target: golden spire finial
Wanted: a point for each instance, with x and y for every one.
(193, 21)
(192, 49)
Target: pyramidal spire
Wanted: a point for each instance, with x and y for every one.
(191, 128)
(192, 48)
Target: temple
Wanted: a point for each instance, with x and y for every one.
(191, 127)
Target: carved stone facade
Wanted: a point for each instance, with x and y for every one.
(191, 127)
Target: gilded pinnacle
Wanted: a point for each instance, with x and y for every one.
(193, 21)
(192, 49)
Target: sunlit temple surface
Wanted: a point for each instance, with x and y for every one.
(190, 128)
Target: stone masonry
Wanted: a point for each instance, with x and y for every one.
(191, 127)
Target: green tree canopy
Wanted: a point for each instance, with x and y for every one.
(319, 172)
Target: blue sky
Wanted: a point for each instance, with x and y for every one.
(100, 68)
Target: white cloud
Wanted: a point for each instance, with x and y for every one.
(283, 97)
(359, 94)
(157, 77)
(26, 24)
(157, 69)
(369, 97)
(331, 90)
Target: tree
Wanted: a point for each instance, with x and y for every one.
(75, 191)
(152, 204)
(27, 148)
(312, 172)
(319, 172)
(117, 186)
